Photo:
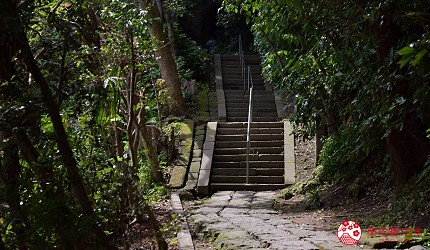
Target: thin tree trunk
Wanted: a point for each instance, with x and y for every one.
(166, 63)
(162, 244)
(150, 150)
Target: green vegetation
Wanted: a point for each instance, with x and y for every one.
(358, 71)
(84, 145)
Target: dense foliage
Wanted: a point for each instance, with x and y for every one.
(357, 70)
(81, 114)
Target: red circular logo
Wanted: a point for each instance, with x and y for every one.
(349, 232)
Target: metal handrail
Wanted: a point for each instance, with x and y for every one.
(242, 60)
(248, 131)
(250, 103)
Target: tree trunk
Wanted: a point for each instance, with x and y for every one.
(9, 175)
(408, 149)
(166, 63)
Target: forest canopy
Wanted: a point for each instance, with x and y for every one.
(358, 72)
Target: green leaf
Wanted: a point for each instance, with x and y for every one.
(418, 57)
(405, 59)
(406, 51)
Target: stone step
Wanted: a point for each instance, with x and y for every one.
(237, 144)
(255, 119)
(241, 87)
(267, 97)
(254, 137)
(255, 101)
(236, 73)
(238, 107)
(252, 179)
(238, 131)
(247, 58)
(244, 106)
(239, 83)
(252, 164)
(252, 171)
(252, 157)
(238, 78)
(253, 150)
(245, 110)
(246, 92)
(253, 125)
(254, 114)
(251, 187)
(234, 66)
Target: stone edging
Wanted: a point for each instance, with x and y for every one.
(184, 236)
(208, 151)
(289, 154)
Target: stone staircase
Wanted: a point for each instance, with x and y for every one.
(237, 95)
(266, 170)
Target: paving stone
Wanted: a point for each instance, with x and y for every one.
(195, 167)
(197, 153)
(193, 176)
(299, 244)
(197, 159)
(191, 185)
(241, 220)
(200, 132)
(199, 138)
(198, 145)
(235, 239)
(200, 127)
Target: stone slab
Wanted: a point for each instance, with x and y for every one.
(211, 131)
(185, 240)
(177, 178)
(195, 167)
(203, 183)
(200, 132)
(288, 134)
(222, 113)
(197, 159)
(207, 159)
(197, 153)
(199, 138)
(209, 145)
(289, 155)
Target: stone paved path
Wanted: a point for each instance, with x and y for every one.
(246, 220)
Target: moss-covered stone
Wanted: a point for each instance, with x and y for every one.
(177, 178)
(187, 130)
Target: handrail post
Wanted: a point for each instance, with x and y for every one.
(248, 131)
